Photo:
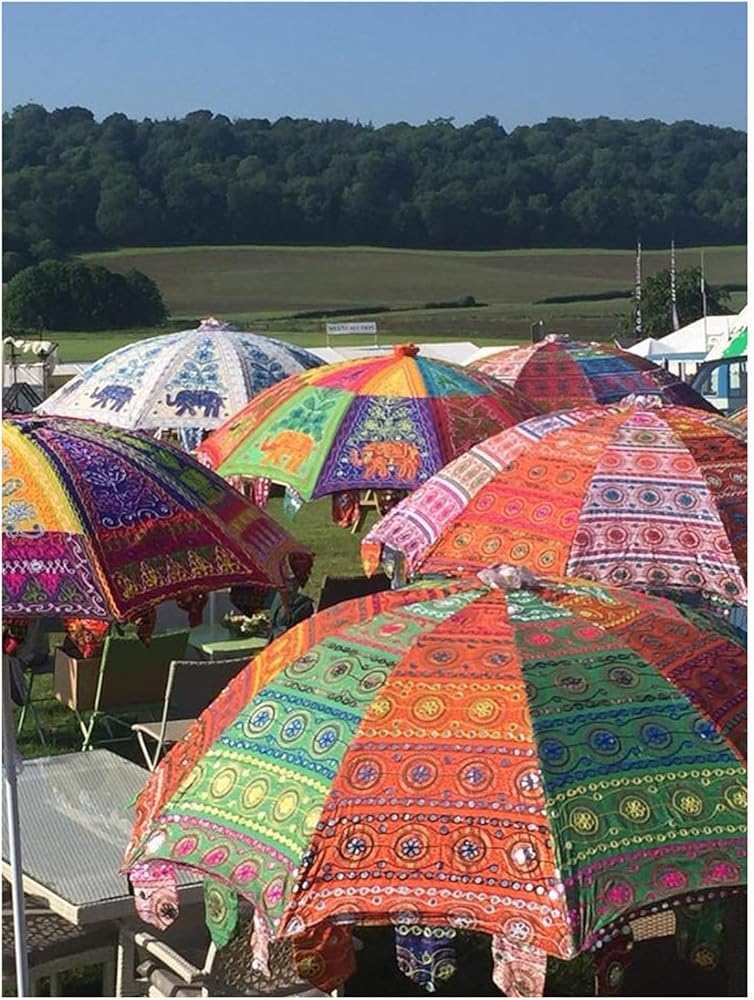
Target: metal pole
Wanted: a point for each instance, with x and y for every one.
(11, 806)
(14, 840)
(637, 294)
(704, 302)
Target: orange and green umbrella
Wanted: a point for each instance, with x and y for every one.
(538, 762)
(379, 423)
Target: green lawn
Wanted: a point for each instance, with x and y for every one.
(91, 346)
(336, 550)
(261, 288)
(262, 280)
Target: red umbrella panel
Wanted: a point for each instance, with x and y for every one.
(557, 372)
(741, 417)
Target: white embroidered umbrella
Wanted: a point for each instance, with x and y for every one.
(189, 381)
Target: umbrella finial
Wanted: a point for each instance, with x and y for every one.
(505, 577)
(645, 400)
(210, 323)
(405, 350)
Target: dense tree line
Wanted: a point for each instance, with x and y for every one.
(69, 295)
(72, 183)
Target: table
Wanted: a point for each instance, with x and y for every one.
(75, 813)
(215, 642)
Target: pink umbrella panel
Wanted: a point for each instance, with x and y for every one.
(635, 494)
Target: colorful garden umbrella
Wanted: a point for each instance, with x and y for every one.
(102, 524)
(382, 423)
(538, 763)
(187, 381)
(635, 494)
(557, 372)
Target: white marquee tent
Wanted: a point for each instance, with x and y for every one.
(689, 346)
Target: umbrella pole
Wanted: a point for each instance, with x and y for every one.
(14, 841)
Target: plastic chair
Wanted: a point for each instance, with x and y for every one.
(191, 686)
(170, 617)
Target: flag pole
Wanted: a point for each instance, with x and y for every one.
(637, 294)
(674, 322)
(704, 301)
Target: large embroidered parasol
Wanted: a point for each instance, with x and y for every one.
(382, 423)
(637, 494)
(189, 381)
(538, 762)
(557, 372)
(103, 524)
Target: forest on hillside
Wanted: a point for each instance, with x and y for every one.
(71, 183)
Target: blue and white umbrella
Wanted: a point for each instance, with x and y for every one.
(189, 382)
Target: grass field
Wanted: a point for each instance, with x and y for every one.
(262, 287)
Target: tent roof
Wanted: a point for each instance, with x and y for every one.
(652, 348)
(738, 346)
(736, 343)
(484, 352)
(694, 340)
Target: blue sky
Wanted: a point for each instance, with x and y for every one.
(381, 62)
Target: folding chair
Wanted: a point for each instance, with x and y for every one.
(335, 589)
(129, 674)
(32, 659)
(191, 686)
(227, 972)
(20, 692)
(27, 674)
